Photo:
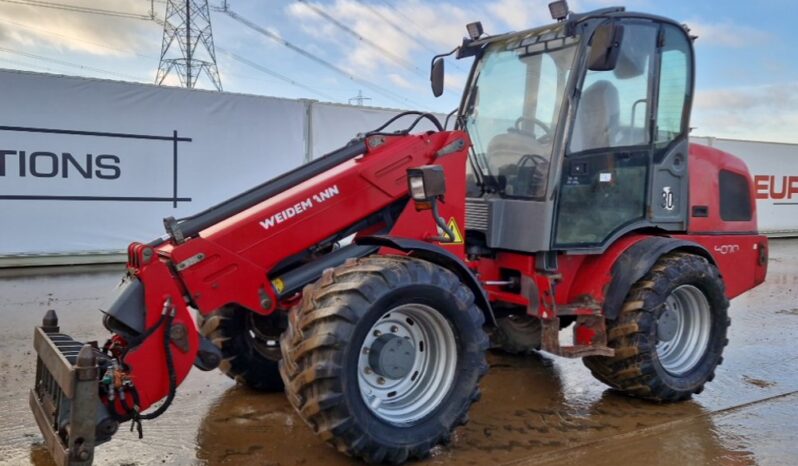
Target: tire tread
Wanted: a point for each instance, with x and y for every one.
(319, 328)
(631, 370)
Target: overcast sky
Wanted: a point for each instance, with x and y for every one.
(747, 59)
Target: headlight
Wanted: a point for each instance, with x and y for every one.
(417, 188)
(426, 183)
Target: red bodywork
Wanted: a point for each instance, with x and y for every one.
(239, 253)
(735, 247)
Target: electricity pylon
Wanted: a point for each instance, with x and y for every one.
(187, 48)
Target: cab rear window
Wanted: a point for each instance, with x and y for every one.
(735, 197)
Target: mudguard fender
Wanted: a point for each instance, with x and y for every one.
(437, 255)
(633, 263)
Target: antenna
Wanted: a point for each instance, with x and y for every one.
(187, 48)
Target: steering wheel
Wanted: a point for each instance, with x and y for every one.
(546, 129)
(537, 159)
(533, 182)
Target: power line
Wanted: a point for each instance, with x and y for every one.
(53, 33)
(409, 20)
(395, 58)
(390, 22)
(29, 65)
(56, 34)
(79, 9)
(274, 74)
(151, 17)
(386, 92)
(66, 63)
(402, 30)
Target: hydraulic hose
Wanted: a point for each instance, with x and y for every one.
(450, 236)
(165, 321)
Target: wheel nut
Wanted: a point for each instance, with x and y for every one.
(367, 370)
(377, 333)
(365, 350)
(381, 381)
(394, 329)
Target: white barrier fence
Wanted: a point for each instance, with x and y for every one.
(89, 165)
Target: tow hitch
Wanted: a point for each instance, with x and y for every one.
(65, 398)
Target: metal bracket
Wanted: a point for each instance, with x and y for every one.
(454, 146)
(375, 141)
(590, 338)
(173, 229)
(179, 336)
(193, 260)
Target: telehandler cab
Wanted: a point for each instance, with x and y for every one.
(365, 282)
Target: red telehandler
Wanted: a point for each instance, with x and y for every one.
(365, 283)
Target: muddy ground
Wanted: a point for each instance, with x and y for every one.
(533, 410)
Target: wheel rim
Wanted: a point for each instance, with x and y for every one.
(683, 330)
(429, 371)
(264, 334)
(521, 323)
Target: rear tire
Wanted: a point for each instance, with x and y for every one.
(670, 334)
(332, 352)
(249, 344)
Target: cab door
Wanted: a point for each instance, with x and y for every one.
(606, 173)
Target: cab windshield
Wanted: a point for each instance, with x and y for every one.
(514, 109)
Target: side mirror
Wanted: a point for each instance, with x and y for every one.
(436, 77)
(605, 47)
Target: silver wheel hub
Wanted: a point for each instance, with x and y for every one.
(667, 325)
(392, 356)
(683, 330)
(407, 363)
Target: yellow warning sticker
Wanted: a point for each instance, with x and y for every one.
(458, 236)
(278, 284)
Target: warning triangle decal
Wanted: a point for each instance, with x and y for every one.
(458, 236)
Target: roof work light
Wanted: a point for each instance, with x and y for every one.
(559, 10)
(474, 30)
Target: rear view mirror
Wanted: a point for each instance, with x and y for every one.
(436, 77)
(605, 47)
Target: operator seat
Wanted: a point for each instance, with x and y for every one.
(598, 118)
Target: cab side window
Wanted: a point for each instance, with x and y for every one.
(674, 86)
(614, 106)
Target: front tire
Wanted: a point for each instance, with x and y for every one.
(383, 356)
(670, 334)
